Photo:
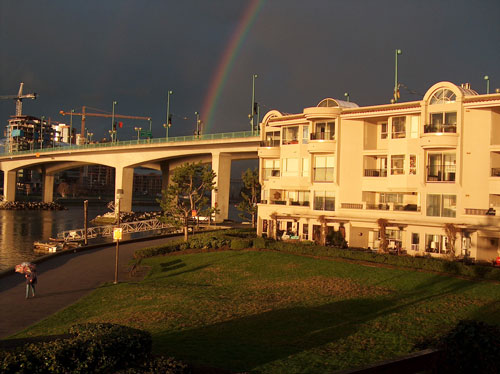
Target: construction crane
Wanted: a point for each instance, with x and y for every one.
(19, 99)
(84, 114)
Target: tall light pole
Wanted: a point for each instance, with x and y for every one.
(253, 111)
(41, 132)
(487, 79)
(90, 135)
(197, 123)
(168, 122)
(396, 83)
(113, 127)
(138, 129)
(346, 95)
(71, 126)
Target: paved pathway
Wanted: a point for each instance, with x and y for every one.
(62, 280)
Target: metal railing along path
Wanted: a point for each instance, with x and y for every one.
(126, 143)
(107, 230)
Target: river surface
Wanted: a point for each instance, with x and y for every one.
(20, 228)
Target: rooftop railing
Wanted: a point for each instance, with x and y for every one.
(130, 143)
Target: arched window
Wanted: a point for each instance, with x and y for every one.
(443, 96)
(328, 103)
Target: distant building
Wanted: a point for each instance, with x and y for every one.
(419, 165)
(28, 133)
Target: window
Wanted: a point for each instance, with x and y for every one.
(305, 167)
(443, 96)
(436, 243)
(291, 135)
(324, 131)
(413, 164)
(415, 241)
(441, 205)
(300, 198)
(290, 167)
(441, 167)
(383, 130)
(397, 164)
(324, 200)
(305, 134)
(272, 139)
(323, 168)
(277, 197)
(398, 127)
(271, 168)
(442, 122)
(391, 198)
(264, 196)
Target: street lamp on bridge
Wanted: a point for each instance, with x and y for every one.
(138, 129)
(197, 123)
(168, 122)
(113, 124)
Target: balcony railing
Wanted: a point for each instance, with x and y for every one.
(435, 128)
(323, 135)
(270, 143)
(375, 172)
(495, 172)
(323, 174)
(377, 206)
(441, 173)
(290, 141)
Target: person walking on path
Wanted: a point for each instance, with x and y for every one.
(31, 280)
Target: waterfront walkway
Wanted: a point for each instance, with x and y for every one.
(62, 280)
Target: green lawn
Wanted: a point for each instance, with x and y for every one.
(278, 313)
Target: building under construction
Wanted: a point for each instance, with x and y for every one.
(29, 133)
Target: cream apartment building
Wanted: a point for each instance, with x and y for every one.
(420, 165)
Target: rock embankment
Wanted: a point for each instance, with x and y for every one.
(29, 205)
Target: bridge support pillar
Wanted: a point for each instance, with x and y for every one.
(124, 182)
(165, 171)
(221, 164)
(9, 185)
(47, 187)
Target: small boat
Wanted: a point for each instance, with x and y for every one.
(54, 246)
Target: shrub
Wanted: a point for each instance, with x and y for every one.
(95, 348)
(159, 365)
(241, 243)
(471, 347)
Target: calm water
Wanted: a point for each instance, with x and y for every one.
(20, 228)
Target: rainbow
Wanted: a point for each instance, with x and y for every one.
(226, 62)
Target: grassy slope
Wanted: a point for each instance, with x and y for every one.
(281, 313)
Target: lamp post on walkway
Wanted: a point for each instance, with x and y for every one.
(197, 123)
(346, 96)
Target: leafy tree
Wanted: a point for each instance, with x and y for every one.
(384, 241)
(251, 195)
(451, 232)
(188, 191)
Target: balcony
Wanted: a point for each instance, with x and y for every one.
(441, 173)
(495, 172)
(395, 207)
(375, 172)
(440, 128)
(270, 143)
(323, 135)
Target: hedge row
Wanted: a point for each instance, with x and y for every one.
(93, 348)
(234, 239)
(414, 262)
(245, 238)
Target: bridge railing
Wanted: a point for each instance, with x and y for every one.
(125, 143)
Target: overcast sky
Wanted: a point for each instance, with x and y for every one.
(91, 52)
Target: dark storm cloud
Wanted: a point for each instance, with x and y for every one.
(76, 53)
